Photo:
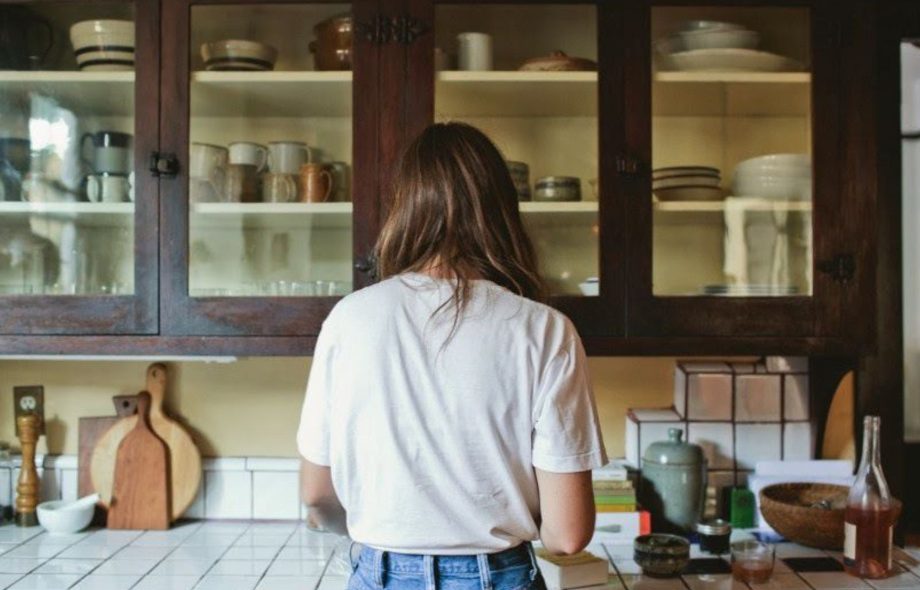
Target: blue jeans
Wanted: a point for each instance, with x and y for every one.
(513, 569)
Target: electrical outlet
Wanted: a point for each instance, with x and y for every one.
(29, 399)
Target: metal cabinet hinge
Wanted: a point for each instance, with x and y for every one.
(164, 164)
(627, 166)
(841, 268)
(383, 29)
(367, 265)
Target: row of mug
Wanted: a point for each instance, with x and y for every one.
(241, 183)
(280, 157)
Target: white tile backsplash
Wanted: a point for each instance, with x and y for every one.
(717, 440)
(757, 442)
(275, 494)
(798, 441)
(757, 398)
(795, 390)
(228, 494)
(709, 396)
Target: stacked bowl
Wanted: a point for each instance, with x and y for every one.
(103, 44)
(774, 176)
(687, 183)
(719, 46)
(238, 55)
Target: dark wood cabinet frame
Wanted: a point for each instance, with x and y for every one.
(393, 98)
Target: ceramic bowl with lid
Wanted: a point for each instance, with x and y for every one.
(332, 49)
(557, 189)
(558, 61)
(673, 483)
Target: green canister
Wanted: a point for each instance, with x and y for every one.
(673, 484)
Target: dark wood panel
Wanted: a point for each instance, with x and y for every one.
(132, 314)
(264, 346)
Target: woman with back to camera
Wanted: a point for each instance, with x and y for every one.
(449, 417)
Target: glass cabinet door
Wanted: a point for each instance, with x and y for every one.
(71, 131)
(724, 205)
(262, 224)
(529, 77)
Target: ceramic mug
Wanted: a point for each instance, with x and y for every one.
(286, 157)
(249, 154)
(341, 181)
(241, 184)
(209, 163)
(316, 183)
(107, 188)
(109, 153)
(278, 188)
(474, 51)
(202, 191)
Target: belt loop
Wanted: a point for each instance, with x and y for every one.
(485, 575)
(533, 561)
(428, 566)
(378, 567)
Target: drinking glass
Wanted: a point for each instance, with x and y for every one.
(752, 561)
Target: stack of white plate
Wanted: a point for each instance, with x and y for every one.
(687, 183)
(103, 44)
(704, 45)
(238, 55)
(774, 176)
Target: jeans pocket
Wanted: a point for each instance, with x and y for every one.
(520, 577)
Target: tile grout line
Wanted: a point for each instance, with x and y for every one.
(275, 558)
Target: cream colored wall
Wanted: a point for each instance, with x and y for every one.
(252, 407)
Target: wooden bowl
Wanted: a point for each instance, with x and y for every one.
(810, 514)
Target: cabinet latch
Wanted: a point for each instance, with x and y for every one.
(627, 166)
(841, 268)
(383, 29)
(164, 164)
(367, 265)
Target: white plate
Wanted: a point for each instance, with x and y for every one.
(732, 60)
(720, 39)
(689, 193)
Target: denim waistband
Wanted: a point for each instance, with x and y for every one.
(390, 561)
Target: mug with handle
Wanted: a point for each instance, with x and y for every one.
(278, 188)
(248, 153)
(317, 183)
(107, 188)
(286, 157)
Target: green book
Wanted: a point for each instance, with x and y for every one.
(615, 500)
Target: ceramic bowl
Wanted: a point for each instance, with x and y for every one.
(238, 55)
(103, 44)
(708, 25)
(660, 555)
(684, 180)
(775, 162)
(102, 27)
(590, 287)
(772, 187)
(63, 522)
(678, 170)
(689, 193)
(720, 39)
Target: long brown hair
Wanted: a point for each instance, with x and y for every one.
(455, 209)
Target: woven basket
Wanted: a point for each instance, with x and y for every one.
(791, 509)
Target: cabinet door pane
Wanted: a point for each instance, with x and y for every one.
(527, 76)
(731, 152)
(270, 150)
(66, 148)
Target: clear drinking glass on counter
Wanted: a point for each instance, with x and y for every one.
(753, 561)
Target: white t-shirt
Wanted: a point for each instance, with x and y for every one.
(432, 447)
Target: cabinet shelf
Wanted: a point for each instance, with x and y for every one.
(700, 94)
(87, 214)
(719, 206)
(85, 93)
(271, 94)
(735, 77)
(516, 94)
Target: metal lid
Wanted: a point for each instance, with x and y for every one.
(674, 451)
(558, 181)
(714, 527)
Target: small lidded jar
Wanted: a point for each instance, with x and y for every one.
(715, 536)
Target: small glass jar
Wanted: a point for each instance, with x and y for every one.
(715, 536)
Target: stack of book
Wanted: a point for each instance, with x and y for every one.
(619, 517)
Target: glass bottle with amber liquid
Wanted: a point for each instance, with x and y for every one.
(869, 517)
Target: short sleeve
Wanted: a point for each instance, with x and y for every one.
(313, 433)
(567, 436)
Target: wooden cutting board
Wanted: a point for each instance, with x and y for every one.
(140, 497)
(184, 458)
(90, 430)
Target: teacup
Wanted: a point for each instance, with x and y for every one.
(278, 188)
(316, 183)
(107, 188)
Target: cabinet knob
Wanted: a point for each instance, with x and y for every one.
(164, 164)
(841, 268)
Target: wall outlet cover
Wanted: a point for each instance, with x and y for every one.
(29, 399)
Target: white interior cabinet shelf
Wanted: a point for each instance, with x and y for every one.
(85, 93)
(700, 94)
(516, 94)
(274, 94)
(87, 214)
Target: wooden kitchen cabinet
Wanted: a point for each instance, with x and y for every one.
(640, 271)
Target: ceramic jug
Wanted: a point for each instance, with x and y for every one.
(673, 484)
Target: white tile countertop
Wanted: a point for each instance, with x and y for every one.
(287, 556)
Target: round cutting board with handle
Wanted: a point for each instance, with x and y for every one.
(184, 458)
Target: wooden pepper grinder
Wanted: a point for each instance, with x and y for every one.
(27, 487)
